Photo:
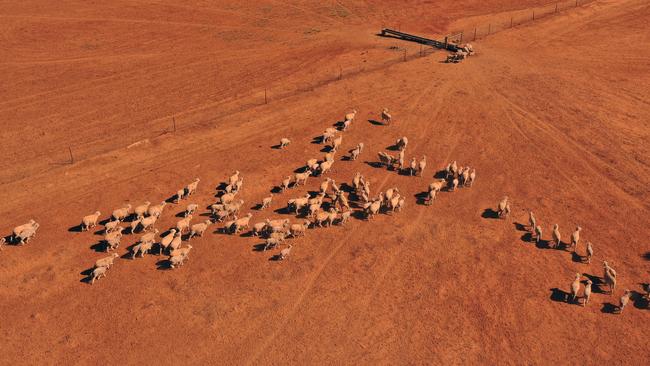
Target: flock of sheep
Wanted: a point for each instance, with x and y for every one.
(609, 278)
(331, 205)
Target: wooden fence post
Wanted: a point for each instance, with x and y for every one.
(474, 34)
(174, 123)
(71, 157)
(266, 101)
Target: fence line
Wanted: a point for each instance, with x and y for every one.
(256, 98)
(512, 19)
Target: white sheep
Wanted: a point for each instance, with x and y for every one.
(350, 116)
(180, 194)
(3, 242)
(242, 223)
(385, 116)
(147, 223)
(401, 143)
(227, 198)
(609, 277)
(166, 240)
(324, 185)
(106, 261)
(141, 248)
(437, 185)
(234, 177)
(176, 242)
(149, 237)
(258, 228)
(284, 253)
(284, 142)
(191, 208)
(472, 177)
(587, 292)
(97, 273)
(501, 207)
(301, 178)
(414, 167)
(157, 210)
(90, 221)
(20, 228)
(27, 234)
(270, 243)
(575, 238)
(557, 237)
(184, 224)
(141, 210)
(454, 185)
(590, 252)
(276, 226)
(176, 261)
(266, 201)
(538, 234)
(575, 287)
(111, 226)
(121, 213)
(372, 208)
(532, 221)
(200, 228)
(625, 299)
(299, 229)
(325, 166)
(431, 196)
(191, 188)
(185, 252)
(285, 183)
(346, 125)
(336, 143)
(421, 165)
(354, 153)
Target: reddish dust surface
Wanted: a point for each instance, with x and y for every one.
(553, 113)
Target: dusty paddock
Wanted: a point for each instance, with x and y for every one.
(562, 131)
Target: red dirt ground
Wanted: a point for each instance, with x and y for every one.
(553, 113)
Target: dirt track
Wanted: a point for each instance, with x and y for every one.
(561, 130)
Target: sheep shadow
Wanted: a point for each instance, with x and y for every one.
(171, 199)
(284, 211)
(345, 187)
(421, 198)
(489, 213)
(75, 229)
(327, 148)
(87, 275)
(520, 226)
(359, 215)
(259, 247)
(639, 301)
(440, 174)
(576, 258)
(543, 244)
(104, 221)
(375, 122)
(339, 125)
(100, 232)
(180, 214)
(302, 169)
(527, 238)
(99, 247)
(346, 158)
(609, 308)
(646, 256)
(164, 265)
(597, 284)
(559, 295)
(129, 250)
(276, 147)
(276, 189)
(393, 147)
(403, 172)
(275, 258)
(318, 140)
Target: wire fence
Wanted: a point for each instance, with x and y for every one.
(233, 104)
(512, 19)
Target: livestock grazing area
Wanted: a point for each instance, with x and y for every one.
(238, 182)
